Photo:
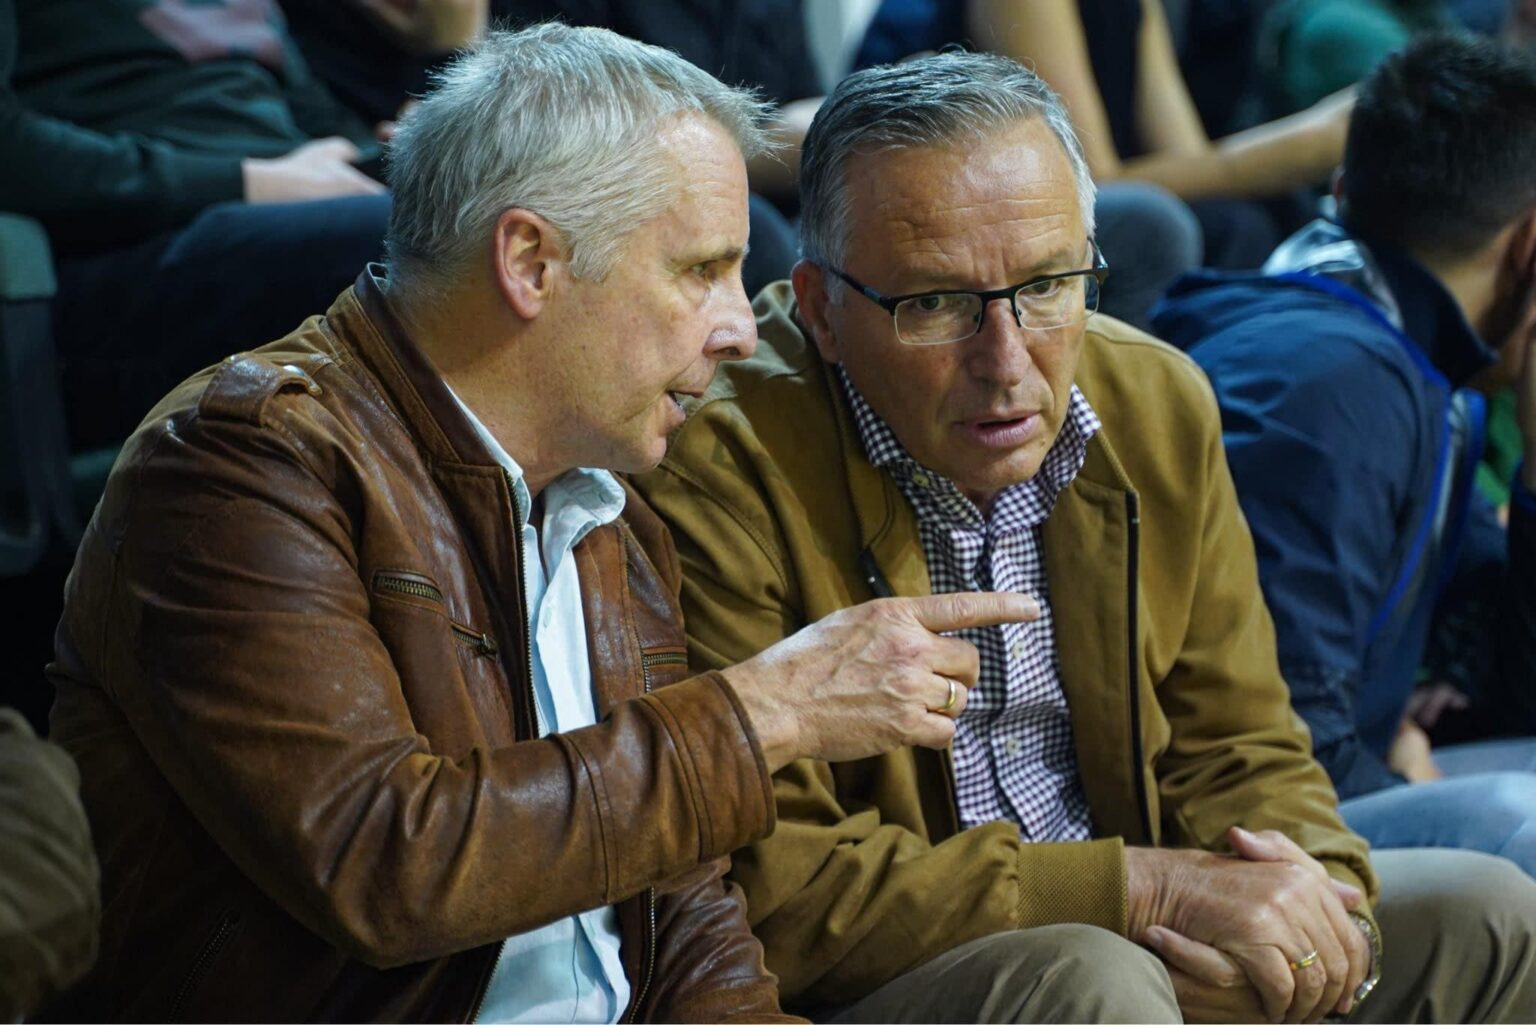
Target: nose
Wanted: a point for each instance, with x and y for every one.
(734, 336)
(998, 352)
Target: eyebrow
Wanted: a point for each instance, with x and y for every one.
(1060, 260)
(725, 254)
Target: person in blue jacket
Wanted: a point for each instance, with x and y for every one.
(1342, 370)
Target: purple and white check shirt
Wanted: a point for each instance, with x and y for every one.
(1013, 752)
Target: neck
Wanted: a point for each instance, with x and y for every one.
(476, 347)
(1473, 283)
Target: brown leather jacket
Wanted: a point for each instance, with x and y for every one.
(294, 671)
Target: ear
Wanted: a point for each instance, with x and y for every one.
(1521, 252)
(525, 249)
(810, 285)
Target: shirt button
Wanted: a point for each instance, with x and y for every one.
(1012, 745)
(921, 479)
(1017, 651)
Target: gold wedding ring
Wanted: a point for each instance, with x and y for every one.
(1304, 962)
(954, 694)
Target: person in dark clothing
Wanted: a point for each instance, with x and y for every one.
(201, 188)
(375, 55)
(1342, 373)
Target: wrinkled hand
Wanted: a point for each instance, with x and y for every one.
(321, 169)
(1209, 985)
(1256, 912)
(870, 678)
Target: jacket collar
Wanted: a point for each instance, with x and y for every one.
(1404, 291)
(367, 319)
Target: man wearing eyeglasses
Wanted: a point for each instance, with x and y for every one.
(1129, 824)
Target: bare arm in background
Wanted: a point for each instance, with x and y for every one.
(1295, 151)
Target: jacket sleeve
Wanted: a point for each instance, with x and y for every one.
(48, 879)
(728, 983)
(80, 182)
(1237, 753)
(840, 896)
(238, 635)
(1324, 467)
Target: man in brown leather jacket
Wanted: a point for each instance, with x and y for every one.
(377, 686)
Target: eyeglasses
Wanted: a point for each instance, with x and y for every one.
(1039, 304)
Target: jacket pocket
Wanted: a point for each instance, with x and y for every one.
(422, 591)
(202, 965)
(663, 664)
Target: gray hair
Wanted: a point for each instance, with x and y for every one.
(557, 120)
(940, 100)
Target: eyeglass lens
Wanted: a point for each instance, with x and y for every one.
(935, 319)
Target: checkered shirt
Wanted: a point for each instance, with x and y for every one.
(1013, 752)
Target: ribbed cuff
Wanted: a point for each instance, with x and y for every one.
(1080, 882)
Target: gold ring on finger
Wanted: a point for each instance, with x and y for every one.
(954, 695)
(1303, 962)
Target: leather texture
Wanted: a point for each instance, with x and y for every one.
(294, 670)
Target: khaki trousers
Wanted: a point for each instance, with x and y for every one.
(1458, 936)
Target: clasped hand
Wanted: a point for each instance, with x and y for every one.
(1238, 933)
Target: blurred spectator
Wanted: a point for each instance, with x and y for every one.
(1114, 64)
(1341, 373)
(1313, 48)
(175, 151)
(1217, 41)
(376, 54)
(48, 881)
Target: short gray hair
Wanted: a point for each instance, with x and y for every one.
(939, 100)
(557, 120)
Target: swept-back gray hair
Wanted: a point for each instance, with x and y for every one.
(948, 99)
(558, 120)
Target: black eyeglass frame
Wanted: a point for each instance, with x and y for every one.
(1099, 271)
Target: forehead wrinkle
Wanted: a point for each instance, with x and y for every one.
(951, 257)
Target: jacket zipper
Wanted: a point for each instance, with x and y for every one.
(649, 938)
(660, 658)
(480, 642)
(1133, 570)
(405, 585)
(533, 699)
(205, 957)
(522, 603)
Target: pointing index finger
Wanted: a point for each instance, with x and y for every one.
(944, 612)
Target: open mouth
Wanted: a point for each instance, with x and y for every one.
(1004, 432)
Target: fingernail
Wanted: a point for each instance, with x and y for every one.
(1153, 937)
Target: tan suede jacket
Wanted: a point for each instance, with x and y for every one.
(1182, 722)
(294, 671)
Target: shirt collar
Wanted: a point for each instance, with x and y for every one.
(593, 492)
(1025, 504)
(1431, 315)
